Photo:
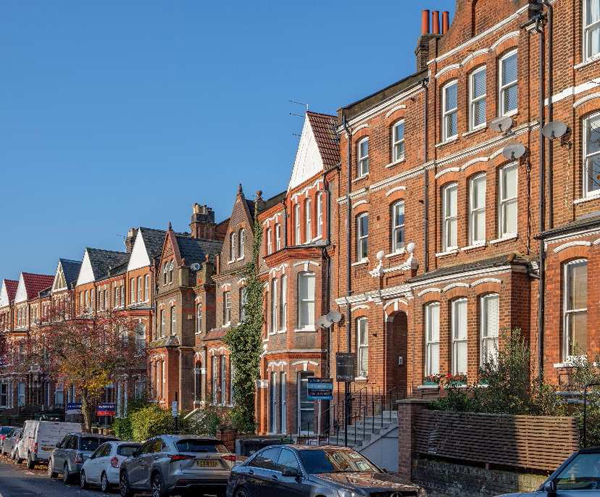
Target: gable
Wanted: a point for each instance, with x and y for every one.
(4, 297)
(60, 282)
(21, 295)
(86, 273)
(308, 161)
(139, 255)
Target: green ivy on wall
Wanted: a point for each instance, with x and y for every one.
(245, 342)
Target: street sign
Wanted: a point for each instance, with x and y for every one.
(345, 366)
(320, 389)
(73, 409)
(174, 410)
(106, 410)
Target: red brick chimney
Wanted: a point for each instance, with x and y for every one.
(203, 223)
(445, 22)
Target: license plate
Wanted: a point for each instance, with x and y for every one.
(206, 464)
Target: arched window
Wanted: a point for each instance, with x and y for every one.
(319, 214)
(307, 221)
(362, 154)
(140, 290)
(575, 304)
(274, 304)
(362, 237)
(398, 227)
(297, 229)
(306, 301)
(232, 246)
(398, 141)
(362, 347)
(199, 317)
(166, 273)
(278, 236)
(242, 244)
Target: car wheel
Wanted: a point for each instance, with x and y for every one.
(82, 480)
(51, 472)
(241, 492)
(104, 485)
(158, 488)
(124, 487)
(66, 476)
(30, 462)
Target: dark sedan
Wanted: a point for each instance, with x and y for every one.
(299, 470)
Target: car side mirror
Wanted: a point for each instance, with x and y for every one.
(291, 473)
(550, 487)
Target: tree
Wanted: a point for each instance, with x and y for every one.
(88, 352)
(245, 342)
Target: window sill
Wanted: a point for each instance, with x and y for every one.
(475, 246)
(394, 254)
(508, 238)
(364, 262)
(396, 162)
(512, 113)
(360, 178)
(305, 330)
(281, 331)
(564, 365)
(231, 261)
(447, 142)
(428, 387)
(452, 251)
(479, 129)
(240, 258)
(361, 378)
(587, 62)
(588, 198)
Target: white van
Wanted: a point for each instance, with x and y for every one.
(40, 438)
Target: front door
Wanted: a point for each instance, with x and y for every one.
(273, 404)
(306, 408)
(397, 339)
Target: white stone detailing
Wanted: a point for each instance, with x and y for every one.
(394, 109)
(274, 217)
(276, 364)
(360, 202)
(567, 245)
(306, 189)
(502, 39)
(587, 98)
(226, 286)
(446, 69)
(428, 290)
(358, 307)
(306, 264)
(449, 170)
(574, 90)
(277, 269)
(358, 128)
(217, 350)
(481, 281)
(305, 364)
(451, 286)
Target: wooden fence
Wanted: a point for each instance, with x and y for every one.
(530, 442)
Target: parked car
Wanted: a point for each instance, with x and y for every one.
(171, 464)
(71, 452)
(5, 431)
(10, 442)
(103, 466)
(40, 438)
(579, 475)
(298, 470)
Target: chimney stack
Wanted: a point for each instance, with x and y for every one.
(203, 224)
(445, 22)
(436, 22)
(130, 240)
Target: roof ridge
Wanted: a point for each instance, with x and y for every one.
(320, 114)
(37, 274)
(69, 260)
(106, 250)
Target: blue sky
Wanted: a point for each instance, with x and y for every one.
(121, 113)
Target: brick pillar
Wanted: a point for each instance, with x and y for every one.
(228, 437)
(408, 411)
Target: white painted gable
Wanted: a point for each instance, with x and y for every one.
(86, 273)
(60, 282)
(4, 300)
(308, 161)
(139, 255)
(21, 295)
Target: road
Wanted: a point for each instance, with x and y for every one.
(17, 481)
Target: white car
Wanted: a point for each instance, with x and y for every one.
(103, 466)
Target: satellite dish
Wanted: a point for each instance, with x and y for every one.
(502, 124)
(554, 130)
(323, 322)
(195, 267)
(334, 316)
(514, 151)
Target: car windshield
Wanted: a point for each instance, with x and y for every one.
(582, 473)
(126, 450)
(5, 430)
(91, 443)
(334, 461)
(191, 445)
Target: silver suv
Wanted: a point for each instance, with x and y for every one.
(174, 464)
(70, 454)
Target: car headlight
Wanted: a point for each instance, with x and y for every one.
(348, 493)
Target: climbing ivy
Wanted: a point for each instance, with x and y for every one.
(245, 342)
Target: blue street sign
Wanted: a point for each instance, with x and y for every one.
(320, 389)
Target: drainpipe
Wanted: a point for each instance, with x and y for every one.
(348, 270)
(426, 179)
(550, 110)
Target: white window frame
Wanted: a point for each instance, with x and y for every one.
(307, 220)
(503, 202)
(269, 241)
(487, 340)
(297, 225)
(502, 88)
(362, 238)
(140, 289)
(226, 308)
(475, 100)
(475, 211)
(310, 325)
(587, 27)
(283, 304)
(458, 341)
(243, 302)
(232, 246)
(146, 288)
(278, 236)
(242, 244)
(398, 142)
(449, 112)
(199, 316)
(449, 221)
(362, 347)
(274, 305)
(173, 316)
(587, 157)
(398, 247)
(362, 161)
(569, 312)
(319, 214)
(430, 342)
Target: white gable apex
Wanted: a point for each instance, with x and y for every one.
(308, 161)
(139, 255)
(4, 300)
(86, 273)
(60, 282)
(21, 295)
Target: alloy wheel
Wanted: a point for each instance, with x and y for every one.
(104, 483)
(82, 480)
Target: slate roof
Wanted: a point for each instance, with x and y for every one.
(216, 334)
(35, 283)
(195, 250)
(103, 260)
(11, 288)
(71, 270)
(323, 126)
(493, 262)
(153, 240)
(589, 221)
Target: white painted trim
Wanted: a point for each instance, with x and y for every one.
(571, 91)
(502, 39)
(585, 99)
(446, 69)
(305, 263)
(485, 280)
(509, 238)
(272, 218)
(448, 252)
(449, 170)
(305, 190)
(567, 245)
(358, 307)
(394, 190)
(358, 128)
(428, 290)
(451, 286)
(360, 202)
(394, 109)
(587, 62)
